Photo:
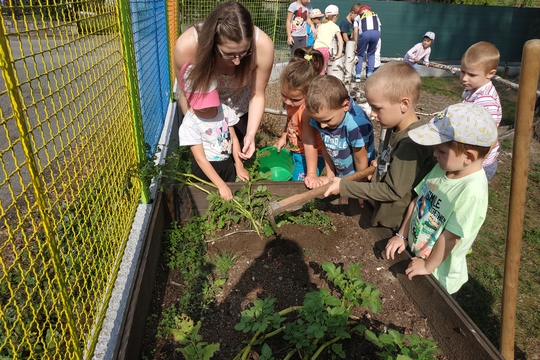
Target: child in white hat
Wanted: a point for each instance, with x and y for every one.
(420, 51)
(442, 222)
(326, 33)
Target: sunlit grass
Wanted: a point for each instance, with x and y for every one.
(481, 297)
(223, 262)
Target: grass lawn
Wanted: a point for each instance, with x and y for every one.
(481, 297)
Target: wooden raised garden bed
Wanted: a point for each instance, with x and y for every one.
(458, 337)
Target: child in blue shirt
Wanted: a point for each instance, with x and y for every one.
(343, 135)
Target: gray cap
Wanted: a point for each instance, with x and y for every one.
(465, 123)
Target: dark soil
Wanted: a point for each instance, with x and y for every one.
(286, 269)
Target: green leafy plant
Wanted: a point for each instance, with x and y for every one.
(186, 251)
(320, 324)
(223, 262)
(309, 215)
(186, 333)
(402, 347)
(355, 292)
(322, 320)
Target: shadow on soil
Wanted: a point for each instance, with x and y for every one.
(477, 303)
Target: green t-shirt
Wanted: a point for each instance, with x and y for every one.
(456, 205)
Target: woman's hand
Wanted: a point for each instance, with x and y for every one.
(248, 150)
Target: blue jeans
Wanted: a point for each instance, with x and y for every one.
(491, 169)
(300, 167)
(368, 39)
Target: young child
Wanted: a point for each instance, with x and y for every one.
(420, 51)
(478, 66)
(346, 26)
(207, 128)
(443, 220)
(304, 66)
(315, 15)
(297, 21)
(392, 92)
(343, 142)
(326, 33)
(366, 34)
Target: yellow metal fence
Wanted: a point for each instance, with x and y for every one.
(66, 144)
(71, 132)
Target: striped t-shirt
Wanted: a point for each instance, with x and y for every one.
(367, 20)
(487, 97)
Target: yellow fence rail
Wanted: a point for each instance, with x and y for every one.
(66, 145)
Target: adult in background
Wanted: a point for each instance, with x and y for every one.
(228, 48)
(367, 32)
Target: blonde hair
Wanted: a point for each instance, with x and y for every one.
(483, 54)
(328, 18)
(326, 92)
(396, 80)
(305, 65)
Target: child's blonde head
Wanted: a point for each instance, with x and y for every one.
(304, 66)
(396, 80)
(482, 54)
(326, 92)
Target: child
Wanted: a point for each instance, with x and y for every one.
(207, 128)
(366, 33)
(344, 145)
(478, 66)
(315, 15)
(443, 220)
(297, 20)
(326, 33)
(420, 50)
(346, 26)
(305, 65)
(392, 92)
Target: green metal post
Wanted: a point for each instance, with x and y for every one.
(131, 73)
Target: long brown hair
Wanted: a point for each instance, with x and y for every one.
(229, 21)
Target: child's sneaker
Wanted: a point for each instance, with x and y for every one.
(357, 78)
(368, 74)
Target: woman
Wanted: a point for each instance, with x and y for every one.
(229, 47)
